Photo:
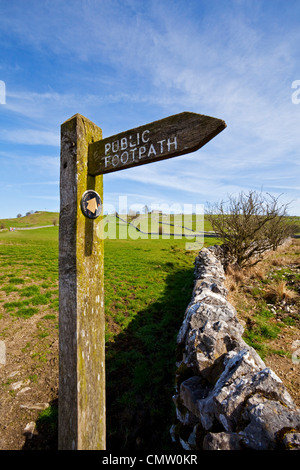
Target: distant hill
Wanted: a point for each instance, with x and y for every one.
(31, 220)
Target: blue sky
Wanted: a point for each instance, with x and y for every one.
(126, 63)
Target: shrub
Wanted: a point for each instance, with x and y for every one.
(249, 225)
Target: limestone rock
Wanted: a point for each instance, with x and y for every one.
(2, 353)
(292, 440)
(226, 398)
(222, 440)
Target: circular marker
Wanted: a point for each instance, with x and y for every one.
(91, 204)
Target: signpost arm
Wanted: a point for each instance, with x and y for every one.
(81, 296)
(167, 138)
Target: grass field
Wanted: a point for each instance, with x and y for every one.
(31, 220)
(148, 284)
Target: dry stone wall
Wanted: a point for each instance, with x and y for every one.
(225, 397)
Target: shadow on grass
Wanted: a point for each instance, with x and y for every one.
(140, 373)
(45, 435)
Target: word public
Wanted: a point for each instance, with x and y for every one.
(136, 147)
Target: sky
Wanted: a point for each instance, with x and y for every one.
(126, 63)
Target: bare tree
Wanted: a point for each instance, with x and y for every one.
(249, 225)
(280, 228)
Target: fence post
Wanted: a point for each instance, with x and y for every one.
(81, 402)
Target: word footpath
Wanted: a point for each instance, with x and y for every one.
(169, 137)
(133, 151)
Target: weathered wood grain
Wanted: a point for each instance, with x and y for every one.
(81, 297)
(170, 137)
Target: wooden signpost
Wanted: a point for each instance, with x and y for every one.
(85, 157)
(170, 137)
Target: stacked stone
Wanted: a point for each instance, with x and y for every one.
(226, 398)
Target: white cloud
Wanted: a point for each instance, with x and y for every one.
(18, 161)
(50, 198)
(180, 181)
(231, 61)
(30, 136)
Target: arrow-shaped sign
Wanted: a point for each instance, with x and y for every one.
(170, 137)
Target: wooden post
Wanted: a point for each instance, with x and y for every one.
(81, 296)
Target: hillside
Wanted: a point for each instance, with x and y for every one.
(267, 299)
(171, 224)
(32, 220)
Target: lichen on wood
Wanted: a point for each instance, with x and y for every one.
(81, 296)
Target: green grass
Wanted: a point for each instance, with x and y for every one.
(262, 328)
(16, 280)
(11, 306)
(26, 312)
(46, 425)
(29, 291)
(37, 219)
(268, 299)
(285, 274)
(41, 299)
(28, 259)
(148, 285)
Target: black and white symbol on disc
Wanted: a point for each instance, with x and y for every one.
(91, 204)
